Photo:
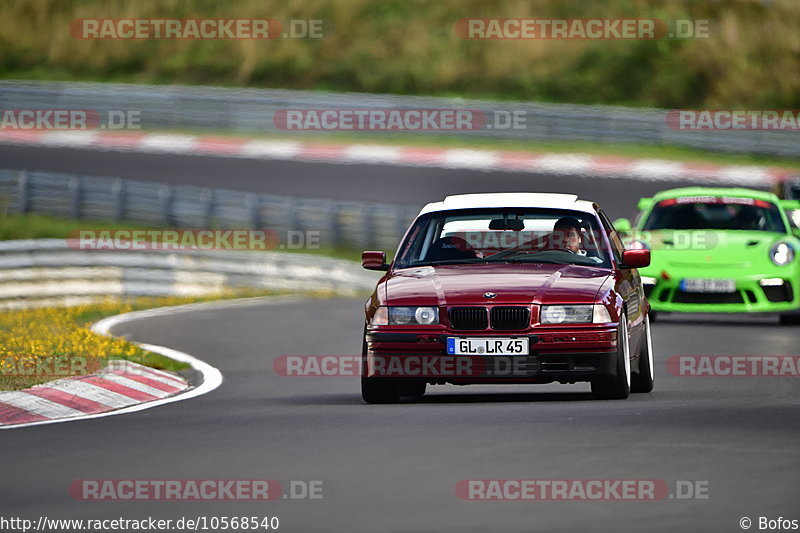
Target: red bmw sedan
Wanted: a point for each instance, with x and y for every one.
(507, 288)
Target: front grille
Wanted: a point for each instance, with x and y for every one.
(468, 318)
(707, 298)
(510, 318)
(781, 293)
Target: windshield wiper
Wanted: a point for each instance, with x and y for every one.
(449, 262)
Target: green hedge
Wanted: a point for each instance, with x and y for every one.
(411, 47)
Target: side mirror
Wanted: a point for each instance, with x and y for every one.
(374, 260)
(635, 258)
(622, 225)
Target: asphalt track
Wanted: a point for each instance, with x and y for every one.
(395, 467)
(367, 182)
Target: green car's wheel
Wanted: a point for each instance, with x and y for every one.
(790, 320)
(643, 381)
(618, 387)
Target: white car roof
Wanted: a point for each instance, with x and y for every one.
(510, 199)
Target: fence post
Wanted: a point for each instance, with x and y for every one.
(23, 192)
(118, 199)
(335, 209)
(74, 197)
(253, 216)
(295, 224)
(165, 202)
(207, 200)
(369, 227)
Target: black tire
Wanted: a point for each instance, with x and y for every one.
(643, 380)
(376, 390)
(619, 386)
(380, 390)
(789, 320)
(653, 315)
(413, 389)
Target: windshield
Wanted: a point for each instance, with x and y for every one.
(691, 213)
(504, 235)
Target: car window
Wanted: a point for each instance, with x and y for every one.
(715, 213)
(505, 235)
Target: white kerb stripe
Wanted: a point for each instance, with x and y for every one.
(370, 153)
(271, 149)
(128, 367)
(39, 406)
(91, 392)
(565, 163)
(135, 385)
(168, 143)
(172, 381)
(69, 138)
(469, 159)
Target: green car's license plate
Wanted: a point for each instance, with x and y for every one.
(708, 285)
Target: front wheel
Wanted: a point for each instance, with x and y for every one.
(376, 390)
(643, 381)
(380, 390)
(619, 386)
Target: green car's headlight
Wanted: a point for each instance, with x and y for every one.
(781, 253)
(407, 316)
(575, 314)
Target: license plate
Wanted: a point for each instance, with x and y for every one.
(708, 285)
(487, 346)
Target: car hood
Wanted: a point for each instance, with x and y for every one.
(518, 283)
(717, 249)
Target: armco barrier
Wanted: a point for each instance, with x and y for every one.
(253, 110)
(338, 223)
(48, 272)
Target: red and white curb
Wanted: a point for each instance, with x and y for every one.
(122, 387)
(119, 385)
(465, 159)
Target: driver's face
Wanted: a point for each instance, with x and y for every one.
(569, 239)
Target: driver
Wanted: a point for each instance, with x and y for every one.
(567, 235)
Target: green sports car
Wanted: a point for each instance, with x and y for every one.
(719, 250)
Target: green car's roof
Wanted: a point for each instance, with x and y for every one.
(738, 192)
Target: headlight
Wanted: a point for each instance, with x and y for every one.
(380, 318)
(405, 316)
(647, 280)
(781, 253)
(796, 217)
(575, 314)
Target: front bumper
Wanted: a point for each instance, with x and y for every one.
(749, 297)
(562, 355)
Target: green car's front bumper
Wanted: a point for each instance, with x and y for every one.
(750, 296)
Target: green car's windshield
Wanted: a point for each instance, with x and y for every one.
(512, 235)
(715, 213)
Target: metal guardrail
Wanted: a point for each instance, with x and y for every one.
(48, 272)
(252, 111)
(339, 223)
